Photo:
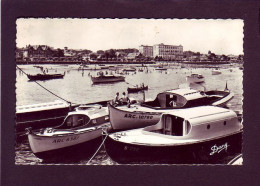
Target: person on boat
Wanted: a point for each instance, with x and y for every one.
(124, 100)
(173, 102)
(116, 101)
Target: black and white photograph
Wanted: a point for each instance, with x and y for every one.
(129, 91)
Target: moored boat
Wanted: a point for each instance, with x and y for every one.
(216, 72)
(40, 115)
(44, 76)
(148, 112)
(199, 135)
(136, 89)
(79, 128)
(129, 69)
(107, 78)
(195, 78)
(160, 68)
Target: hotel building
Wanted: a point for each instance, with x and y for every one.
(168, 51)
(161, 50)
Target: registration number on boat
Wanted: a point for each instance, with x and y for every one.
(72, 138)
(138, 116)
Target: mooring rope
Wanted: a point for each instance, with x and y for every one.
(98, 147)
(46, 88)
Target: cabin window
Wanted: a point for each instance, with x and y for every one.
(225, 123)
(76, 121)
(208, 126)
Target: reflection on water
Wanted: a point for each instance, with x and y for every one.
(77, 87)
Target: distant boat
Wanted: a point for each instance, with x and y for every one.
(195, 78)
(216, 72)
(160, 68)
(45, 76)
(79, 128)
(129, 69)
(199, 135)
(107, 78)
(136, 89)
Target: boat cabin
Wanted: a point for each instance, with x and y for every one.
(199, 76)
(177, 98)
(85, 118)
(74, 121)
(197, 123)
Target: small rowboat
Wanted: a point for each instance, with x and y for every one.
(80, 128)
(199, 135)
(45, 76)
(136, 89)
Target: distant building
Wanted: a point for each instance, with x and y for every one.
(39, 51)
(146, 51)
(132, 55)
(68, 52)
(232, 57)
(168, 51)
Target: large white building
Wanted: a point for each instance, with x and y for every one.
(161, 50)
(168, 51)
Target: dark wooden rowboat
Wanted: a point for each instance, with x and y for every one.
(136, 89)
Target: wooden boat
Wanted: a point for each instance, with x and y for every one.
(44, 76)
(216, 72)
(148, 112)
(40, 115)
(107, 79)
(136, 89)
(160, 68)
(199, 135)
(78, 129)
(129, 69)
(43, 115)
(195, 78)
(238, 160)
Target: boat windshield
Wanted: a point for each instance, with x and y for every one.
(76, 120)
(167, 100)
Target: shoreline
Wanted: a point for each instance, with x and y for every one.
(132, 62)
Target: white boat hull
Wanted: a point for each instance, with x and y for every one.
(121, 120)
(43, 144)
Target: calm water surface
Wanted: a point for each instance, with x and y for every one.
(76, 87)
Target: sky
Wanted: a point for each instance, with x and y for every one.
(219, 36)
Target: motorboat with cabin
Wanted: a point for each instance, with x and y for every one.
(199, 135)
(195, 78)
(80, 128)
(101, 78)
(44, 76)
(148, 112)
(216, 72)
